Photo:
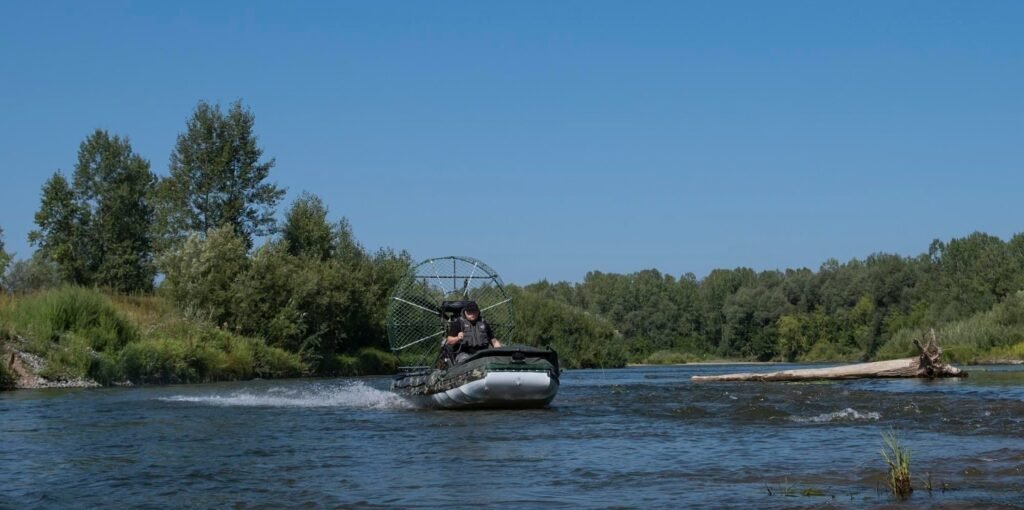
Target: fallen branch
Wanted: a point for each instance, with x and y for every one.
(925, 365)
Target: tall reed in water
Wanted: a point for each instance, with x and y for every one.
(897, 457)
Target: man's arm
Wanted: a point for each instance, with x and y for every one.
(494, 341)
(451, 339)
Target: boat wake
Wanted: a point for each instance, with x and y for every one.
(356, 395)
(848, 414)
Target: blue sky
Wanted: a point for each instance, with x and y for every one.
(566, 136)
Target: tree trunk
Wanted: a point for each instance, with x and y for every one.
(925, 365)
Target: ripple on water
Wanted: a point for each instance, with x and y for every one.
(846, 415)
(351, 395)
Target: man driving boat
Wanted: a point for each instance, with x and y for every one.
(470, 333)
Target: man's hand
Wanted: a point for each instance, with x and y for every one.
(495, 343)
(455, 339)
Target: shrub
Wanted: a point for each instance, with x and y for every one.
(32, 275)
(70, 359)
(157, 361)
(824, 350)
(217, 356)
(199, 273)
(669, 358)
(6, 377)
(1015, 351)
(367, 361)
(276, 363)
(581, 339)
(345, 365)
(376, 361)
(105, 368)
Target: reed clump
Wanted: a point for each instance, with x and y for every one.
(897, 458)
(69, 315)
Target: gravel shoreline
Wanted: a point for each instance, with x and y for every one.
(26, 368)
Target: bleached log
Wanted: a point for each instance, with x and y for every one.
(925, 365)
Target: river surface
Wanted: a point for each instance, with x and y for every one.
(638, 437)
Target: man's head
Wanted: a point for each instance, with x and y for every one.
(471, 311)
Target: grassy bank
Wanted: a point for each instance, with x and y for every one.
(91, 335)
(87, 334)
(995, 335)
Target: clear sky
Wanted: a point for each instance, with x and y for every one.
(554, 138)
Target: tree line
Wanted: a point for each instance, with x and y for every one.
(311, 289)
(842, 311)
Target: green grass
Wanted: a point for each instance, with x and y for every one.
(1008, 352)
(86, 333)
(69, 315)
(897, 459)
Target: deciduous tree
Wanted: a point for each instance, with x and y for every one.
(5, 258)
(217, 178)
(306, 229)
(97, 229)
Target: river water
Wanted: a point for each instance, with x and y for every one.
(638, 437)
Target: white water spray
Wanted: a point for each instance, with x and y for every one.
(355, 395)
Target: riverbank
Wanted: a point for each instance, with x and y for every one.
(75, 337)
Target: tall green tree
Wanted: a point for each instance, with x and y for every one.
(216, 178)
(306, 229)
(61, 233)
(5, 258)
(715, 290)
(97, 229)
(971, 274)
(114, 185)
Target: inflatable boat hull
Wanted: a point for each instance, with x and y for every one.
(511, 377)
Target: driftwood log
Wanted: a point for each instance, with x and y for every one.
(925, 365)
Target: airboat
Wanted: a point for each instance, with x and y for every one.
(421, 311)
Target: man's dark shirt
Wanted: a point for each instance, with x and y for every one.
(456, 327)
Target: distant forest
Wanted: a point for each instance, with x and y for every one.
(857, 310)
(317, 298)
